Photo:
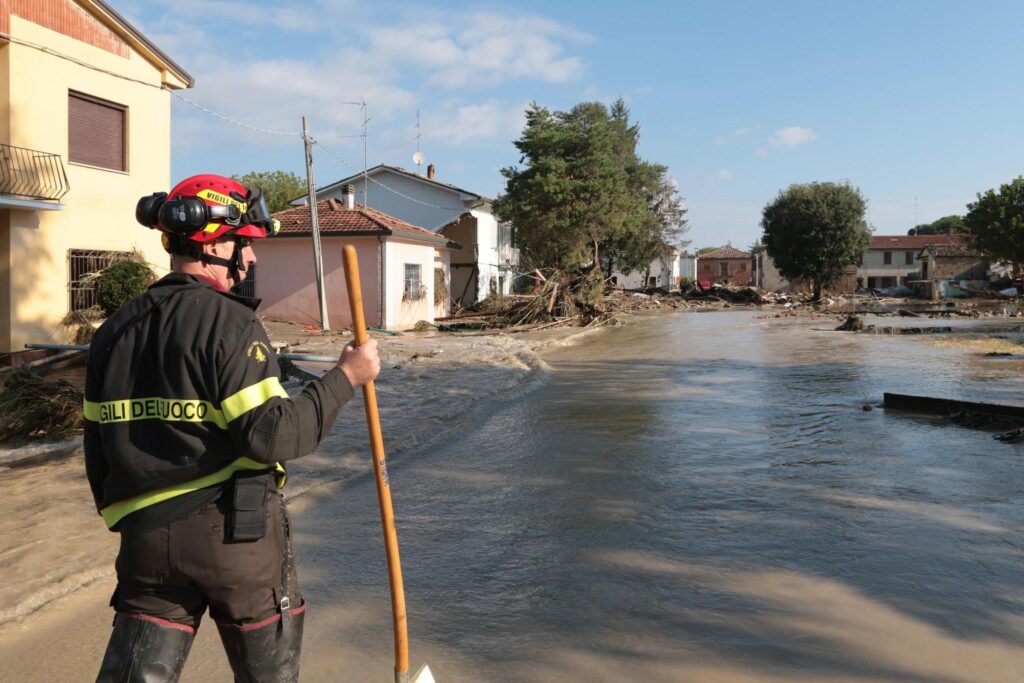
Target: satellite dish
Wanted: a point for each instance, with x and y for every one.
(418, 158)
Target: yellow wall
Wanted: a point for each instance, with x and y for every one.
(99, 210)
(5, 259)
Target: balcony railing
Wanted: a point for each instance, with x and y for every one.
(31, 174)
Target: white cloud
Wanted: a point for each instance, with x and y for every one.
(724, 174)
(456, 50)
(761, 152)
(736, 133)
(385, 58)
(793, 136)
(490, 120)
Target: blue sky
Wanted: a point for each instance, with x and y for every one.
(916, 103)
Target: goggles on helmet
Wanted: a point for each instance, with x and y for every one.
(259, 214)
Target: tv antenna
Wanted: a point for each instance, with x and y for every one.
(418, 158)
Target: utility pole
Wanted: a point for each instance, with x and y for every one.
(315, 227)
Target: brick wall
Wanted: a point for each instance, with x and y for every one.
(741, 271)
(64, 16)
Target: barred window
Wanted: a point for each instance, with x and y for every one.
(83, 265)
(414, 289)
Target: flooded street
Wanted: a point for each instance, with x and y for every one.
(696, 497)
(700, 497)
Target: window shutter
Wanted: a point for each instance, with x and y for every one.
(96, 134)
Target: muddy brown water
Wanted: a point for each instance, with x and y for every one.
(702, 497)
(693, 498)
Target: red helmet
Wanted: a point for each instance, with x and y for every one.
(205, 207)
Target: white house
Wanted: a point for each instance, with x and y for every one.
(687, 265)
(487, 261)
(663, 272)
(892, 260)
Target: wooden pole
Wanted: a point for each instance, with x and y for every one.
(314, 224)
(380, 470)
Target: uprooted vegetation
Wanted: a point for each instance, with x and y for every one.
(582, 299)
(558, 299)
(33, 407)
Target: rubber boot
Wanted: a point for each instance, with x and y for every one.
(145, 651)
(266, 654)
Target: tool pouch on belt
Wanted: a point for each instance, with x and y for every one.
(247, 518)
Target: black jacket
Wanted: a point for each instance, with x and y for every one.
(181, 383)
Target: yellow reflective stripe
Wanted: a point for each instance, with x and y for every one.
(153, 408)
(251, 397)
(214, 196)
(114, 513)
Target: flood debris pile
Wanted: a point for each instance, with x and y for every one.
(558, 298)
(34, 407)
(82, 324)
(732, 294)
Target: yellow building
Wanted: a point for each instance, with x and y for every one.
(85, 130)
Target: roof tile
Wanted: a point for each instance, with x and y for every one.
(913, 241)
(335, 219)
(725, 253)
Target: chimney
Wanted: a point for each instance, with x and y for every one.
(349, 193)
(430, 171)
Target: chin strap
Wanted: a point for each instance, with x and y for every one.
(234, 264)
(186, 247)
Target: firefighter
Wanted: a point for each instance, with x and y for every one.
(187, 429)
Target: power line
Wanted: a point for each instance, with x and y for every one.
(60, 55)
(232, 121)
(42, 48)
(227, 119)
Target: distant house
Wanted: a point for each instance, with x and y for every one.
(85, 130)
(687, 266)
(404, 268)
(946, 267)
(727, 265)
(768, 277)
(892, 260)
(486, 263)
(663, 272)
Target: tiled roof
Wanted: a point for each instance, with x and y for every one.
(951, 250)
(335, 219)
(725, 252)
(912, 241)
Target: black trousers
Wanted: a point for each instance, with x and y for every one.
(176, 572)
